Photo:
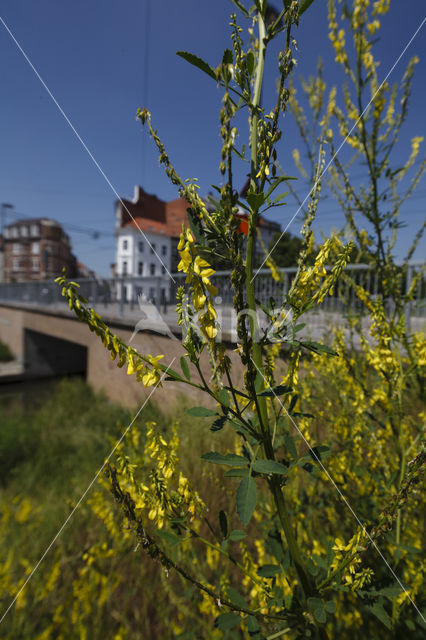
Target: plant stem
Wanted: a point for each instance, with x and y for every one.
(308, 588)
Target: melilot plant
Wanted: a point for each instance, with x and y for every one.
(281, 571)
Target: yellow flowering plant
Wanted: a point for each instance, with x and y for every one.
(380, 372)
(296, 565)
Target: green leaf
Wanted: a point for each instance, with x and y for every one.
(197, 62)
(304, 4)
(269, 466)
(378, 610)
(253, 628)
(223, 523)
(241, 7)
(279, 390)
(236, 598)
(290, 445)
(316, 347)
(201, 412)
(276, 182)
(299, 327)
(330, 606)
(227, 621)
(320, 452)
(246, 499)
(279, 198)
(185, 368)
(250, 62)
(170, 372)
(169, 538)
(230, 459)
(269, 570)
(224, 397)
(236, 473)
(255, 200)
(293, 402)
(320, 615)
(315, 603)
(274, 544)
(218, 423)
(227, 57)
(237, 534)
(391, 592)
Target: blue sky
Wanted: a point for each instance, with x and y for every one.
(102, 60)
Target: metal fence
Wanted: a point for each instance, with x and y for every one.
(123, 293)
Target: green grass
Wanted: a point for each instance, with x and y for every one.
(51, 446)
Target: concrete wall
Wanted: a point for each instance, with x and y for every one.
(70, 336)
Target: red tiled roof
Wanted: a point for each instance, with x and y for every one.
(147, 225)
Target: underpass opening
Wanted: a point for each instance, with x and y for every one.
(45, 356)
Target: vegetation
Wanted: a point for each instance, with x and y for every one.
(302, 519)
(5, 353)
(285, 249)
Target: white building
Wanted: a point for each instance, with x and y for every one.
(143, 248)
(147, 234)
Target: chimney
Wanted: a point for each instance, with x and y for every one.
(137, 194)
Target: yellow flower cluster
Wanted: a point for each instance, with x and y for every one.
(297, 162)
(136, 363)
(380, 7)
(355, 580)
(163, 492)
(148, 377)
(313, 283)
(336, 35)
(198, 276)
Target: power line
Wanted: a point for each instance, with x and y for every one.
(95, 233)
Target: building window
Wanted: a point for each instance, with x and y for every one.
(36, 265)
(140, 268)
(6, 233)
(164, 250)
(16, 248)
(24, 230)
(35, 247)
(15, 264)
(163, 269)
(151, 293)
(153, 248)
(125, 245)
(14, 232)
(124, 268)
(140, 246)
(35, 230)
(152, 269)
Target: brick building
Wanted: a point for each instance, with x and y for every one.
(36, 249)
(161, 224)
